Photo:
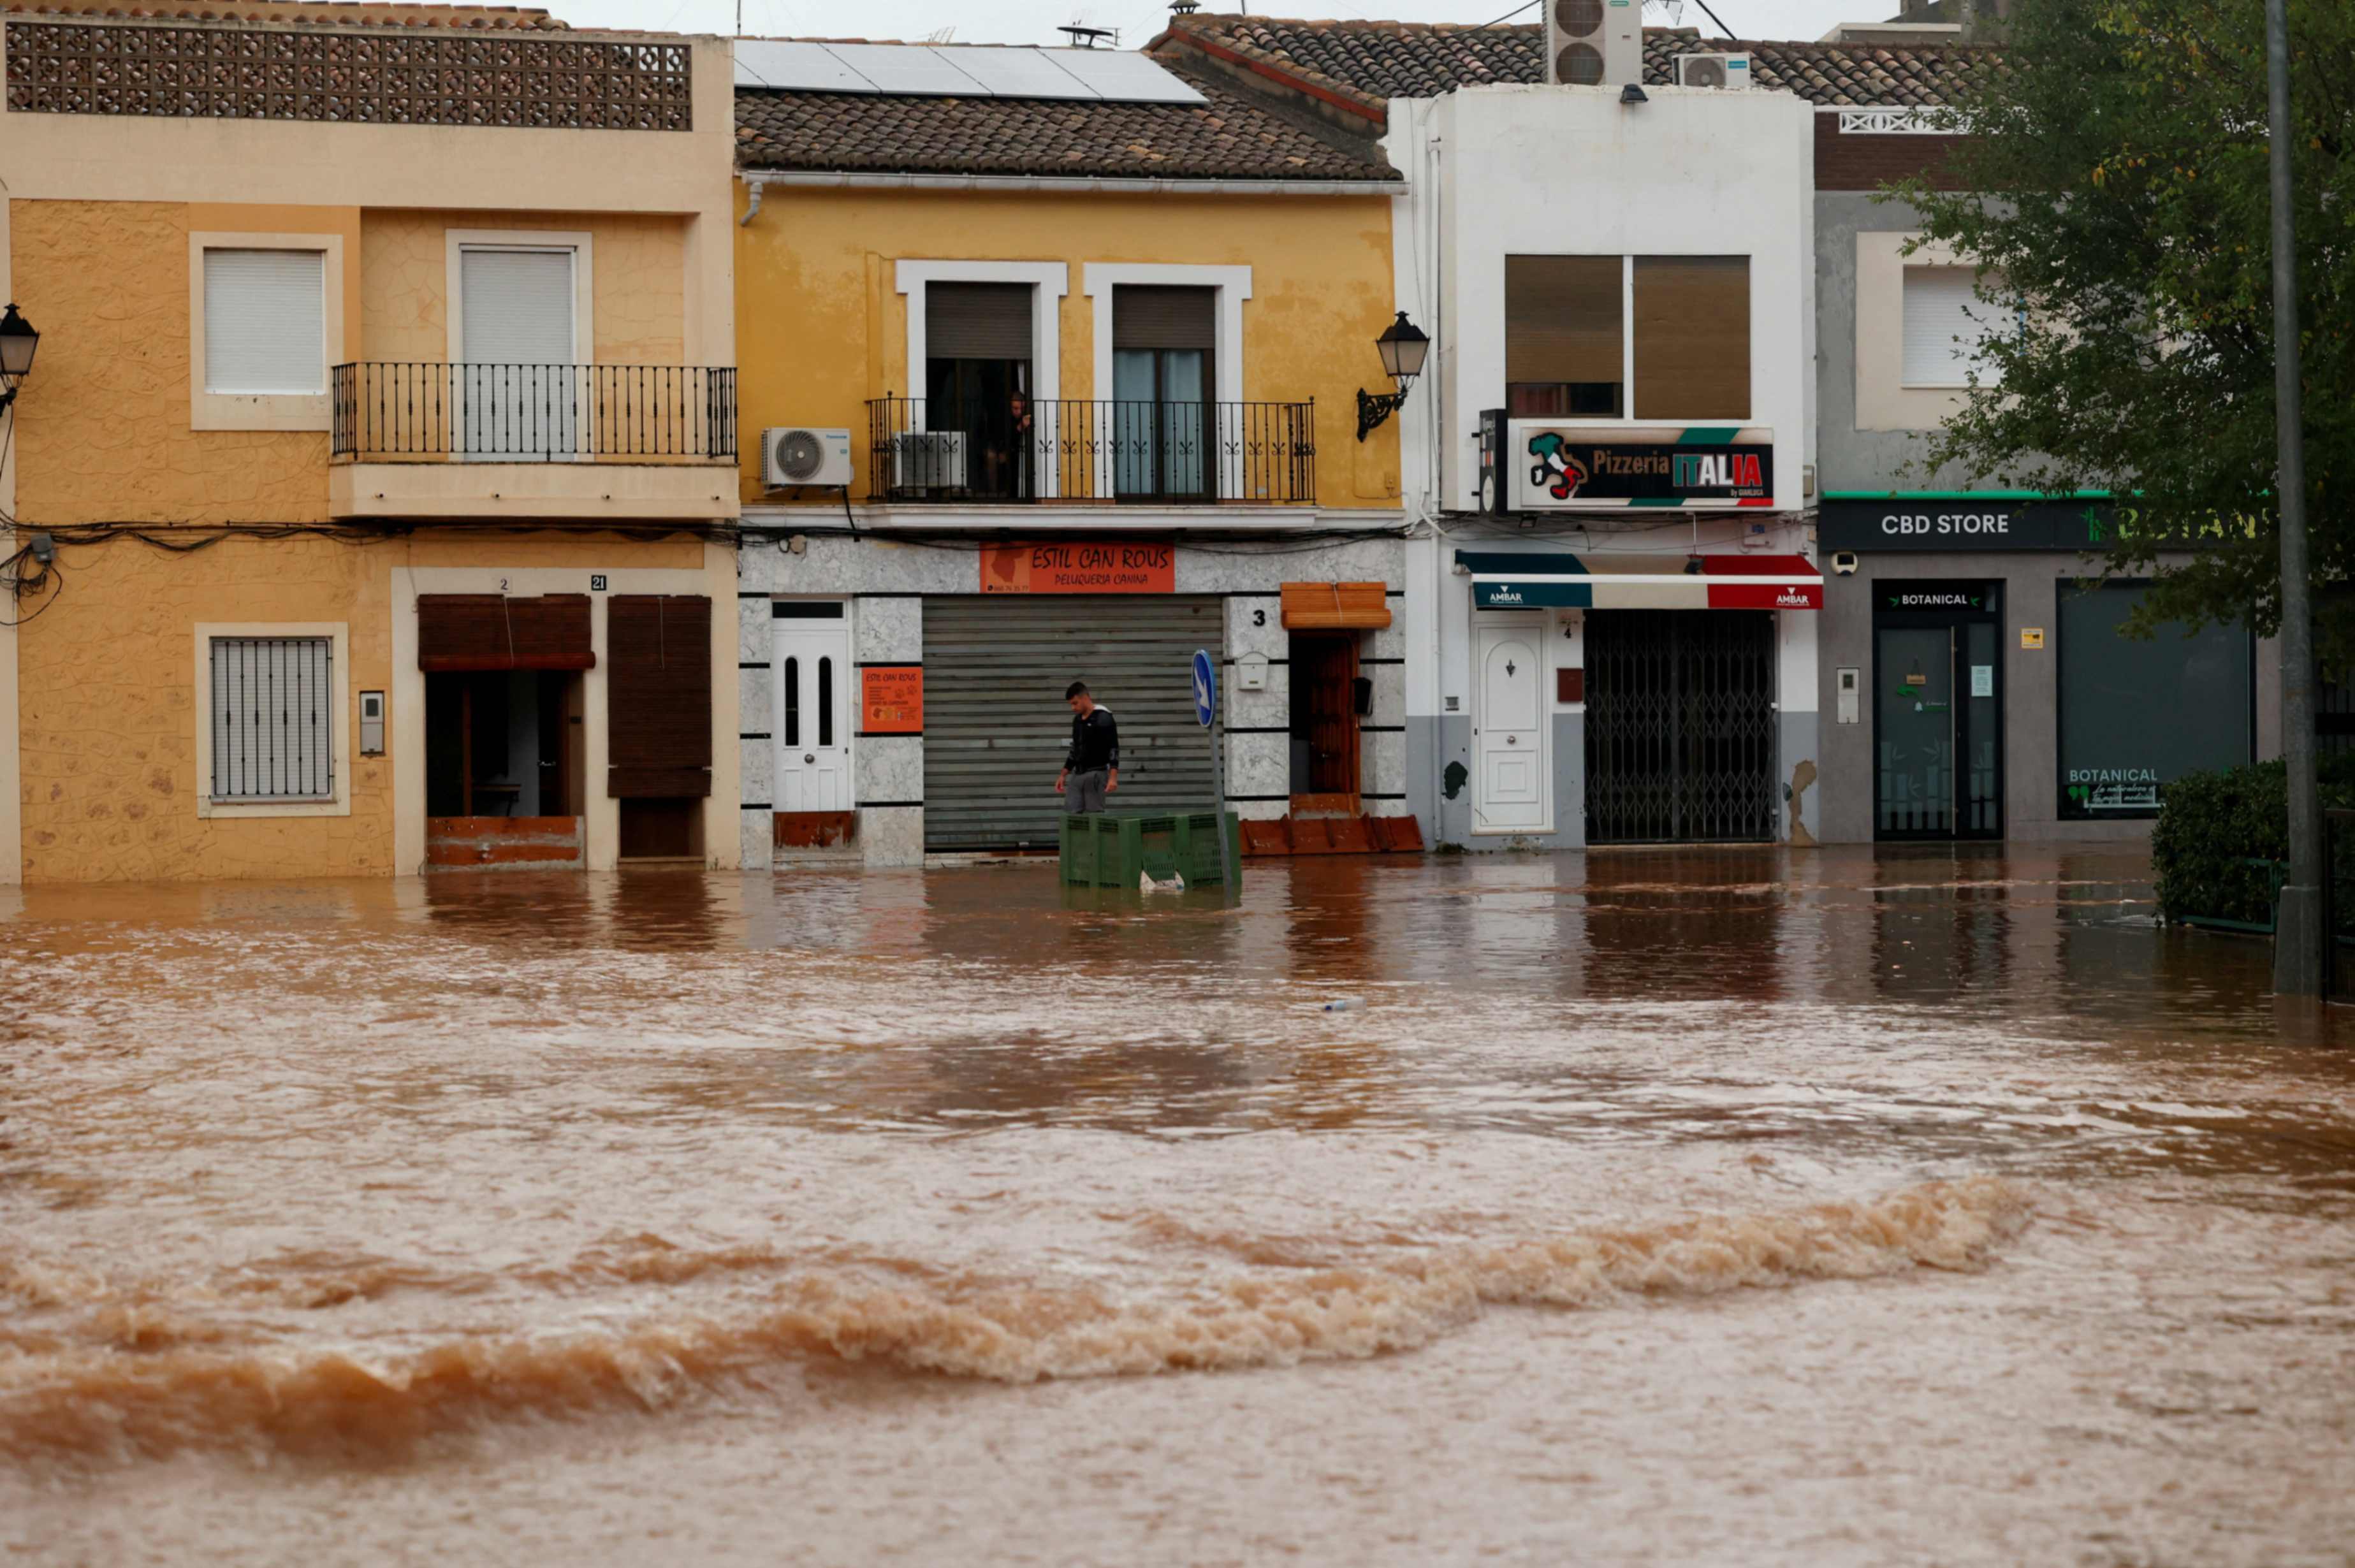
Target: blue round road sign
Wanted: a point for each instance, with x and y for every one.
(1206, 689)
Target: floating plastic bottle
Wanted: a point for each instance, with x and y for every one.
(1342, 1005)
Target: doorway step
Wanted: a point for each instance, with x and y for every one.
(504, 844)
(1333, 836)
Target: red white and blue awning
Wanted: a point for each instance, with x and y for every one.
(1502, 581)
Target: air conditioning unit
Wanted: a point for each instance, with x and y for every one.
(791, 454)
(1595, 43)
(928, 460)
(1712, 70)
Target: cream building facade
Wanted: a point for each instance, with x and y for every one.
(371, 494)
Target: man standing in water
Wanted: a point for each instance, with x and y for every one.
(1091, 767)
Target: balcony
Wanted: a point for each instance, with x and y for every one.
(1071, 453)
(628, 443)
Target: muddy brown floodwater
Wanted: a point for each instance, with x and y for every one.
(1739, 1208)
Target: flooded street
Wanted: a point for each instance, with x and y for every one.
(1678, 1207)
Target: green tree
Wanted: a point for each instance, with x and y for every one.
(2113, 190)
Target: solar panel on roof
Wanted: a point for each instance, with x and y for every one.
(911, 69)
(795, 67)
(959, 70)
(1020, 73)
(1119, 76)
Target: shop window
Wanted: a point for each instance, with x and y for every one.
(272, 719)
(265, 322)
(1597, 337)
(1945, 329)
(2113, 757)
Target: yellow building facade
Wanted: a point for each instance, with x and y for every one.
(382, 419)
(1047, 388)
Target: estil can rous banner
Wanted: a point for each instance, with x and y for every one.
(1080, 566)
(1560, 466)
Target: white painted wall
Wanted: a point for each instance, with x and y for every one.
(1499, 171)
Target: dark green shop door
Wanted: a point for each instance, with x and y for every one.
(1937, 712)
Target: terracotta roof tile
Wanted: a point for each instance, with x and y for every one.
(1374, 61)
(310, 13)
(1231, 136)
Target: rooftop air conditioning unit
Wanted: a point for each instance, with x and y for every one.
(1713, 70)
(791, 454)
(928, 460)
(1593, 43)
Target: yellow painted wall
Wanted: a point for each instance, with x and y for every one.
(637, 267)
(107, 439)
(110, 785)
(822, 327)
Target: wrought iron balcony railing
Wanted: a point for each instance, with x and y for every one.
(398, 410)
(1184, 454)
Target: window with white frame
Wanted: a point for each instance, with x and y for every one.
(265, 322)
(273, 717)
(1946, 328)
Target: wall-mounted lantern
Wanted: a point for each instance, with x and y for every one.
(17, 341)
(1403, 346)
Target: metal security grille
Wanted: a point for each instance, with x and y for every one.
(272, 719)
(1680, 727)
(995, 728)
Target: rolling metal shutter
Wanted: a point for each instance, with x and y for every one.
(1155, 316)
(658, 695)
(977, 320)
(995, 728)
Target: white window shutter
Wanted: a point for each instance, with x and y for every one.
(518, 306)
(1945, 324)
(266, 322)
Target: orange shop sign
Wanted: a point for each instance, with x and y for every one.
(892, 701)
(1118, 566)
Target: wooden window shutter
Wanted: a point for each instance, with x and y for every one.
(1153, 317)
(458, 632)
(1563, 318)
(658, 695)
(977, 320)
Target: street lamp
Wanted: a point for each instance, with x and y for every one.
(1403, 346)
(17, 341)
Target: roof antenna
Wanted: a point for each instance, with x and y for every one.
(1088, 37)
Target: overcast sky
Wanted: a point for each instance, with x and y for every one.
(1035, 21)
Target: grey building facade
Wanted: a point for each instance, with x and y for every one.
(1975, 682)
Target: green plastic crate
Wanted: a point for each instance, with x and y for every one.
(1101, 851)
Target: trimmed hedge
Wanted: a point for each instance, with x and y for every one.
(2211, 825)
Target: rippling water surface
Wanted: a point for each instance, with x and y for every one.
(1666, 1207)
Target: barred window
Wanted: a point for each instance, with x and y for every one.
(272, 719)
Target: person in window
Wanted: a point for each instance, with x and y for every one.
(1091, 767)
(1019, 441)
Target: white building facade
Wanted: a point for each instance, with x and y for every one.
(1610, 610)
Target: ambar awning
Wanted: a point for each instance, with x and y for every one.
(1335, 606)
(1641, 582)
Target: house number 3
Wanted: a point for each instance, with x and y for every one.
(1259, 617)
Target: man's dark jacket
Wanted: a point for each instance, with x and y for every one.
(1095, 741)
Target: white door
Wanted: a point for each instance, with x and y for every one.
(519, 385)
(1512, 788)
(812, 717)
